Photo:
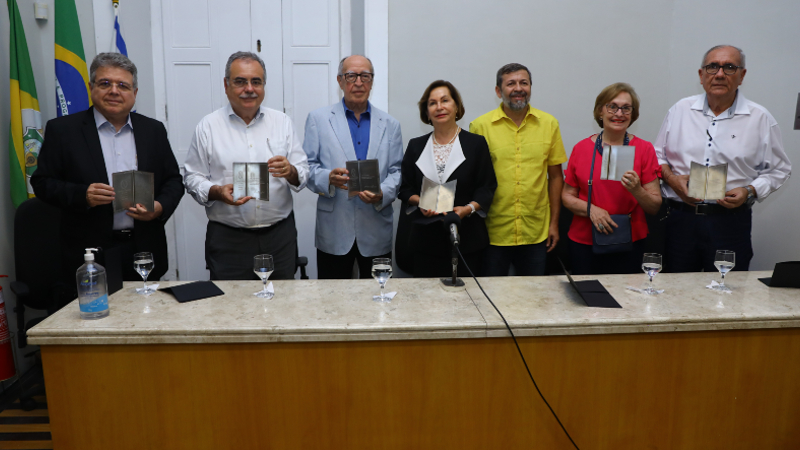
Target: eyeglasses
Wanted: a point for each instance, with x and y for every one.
(727, 69)
(626, 110)
(242, 82)
(106, 85)
(351, 77)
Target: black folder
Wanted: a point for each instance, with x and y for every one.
(592, 292)
(785, 274)
(194, 291)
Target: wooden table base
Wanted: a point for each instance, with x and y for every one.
(694, 390)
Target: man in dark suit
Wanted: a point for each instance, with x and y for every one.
(82, 150)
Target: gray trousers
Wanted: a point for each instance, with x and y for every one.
(230, 251)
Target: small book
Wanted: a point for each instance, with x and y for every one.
(193, 291)
(437, 197)
(251, 180)
(364, 175)
(132, 187)
(617, 159)
(707, 183)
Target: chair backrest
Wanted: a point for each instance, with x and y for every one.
(37, 250)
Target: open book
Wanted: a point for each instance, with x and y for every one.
(251, 180)
(364, 175)
(437, 197)
(708, 183)
(132, 187)
(617, 159)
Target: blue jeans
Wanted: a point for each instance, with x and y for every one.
(692, 240)
(528, 260)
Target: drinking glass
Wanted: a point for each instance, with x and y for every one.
(382, 271)
(263, 266)
(724, 262)
(143, 264)
(651, 264)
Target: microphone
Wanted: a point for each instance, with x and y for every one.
(451, 222)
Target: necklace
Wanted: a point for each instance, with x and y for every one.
(458, 129)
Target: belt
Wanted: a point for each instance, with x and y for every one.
(705, 209)
(122, 235)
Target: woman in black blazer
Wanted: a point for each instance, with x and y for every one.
(449, 153)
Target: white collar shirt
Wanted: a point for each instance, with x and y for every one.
(222, 138)
(119, 155)
(745, 136)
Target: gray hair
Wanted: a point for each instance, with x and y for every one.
(250, 56)
(113, 60)
(511, 68)
(717, 47)
(341, 65)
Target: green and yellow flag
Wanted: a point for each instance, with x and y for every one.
(72, 78)
(25, 139)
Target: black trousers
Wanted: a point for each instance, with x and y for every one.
(585, 262)
(693, 240)
(440, 266)
(340, 267)
(230, 251)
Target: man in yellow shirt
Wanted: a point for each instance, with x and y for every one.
(527, 153)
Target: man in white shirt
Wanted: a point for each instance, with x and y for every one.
(720, 126)
(245, 131)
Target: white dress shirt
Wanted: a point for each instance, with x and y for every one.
(222, 138)
(119, 155)
(745, 136)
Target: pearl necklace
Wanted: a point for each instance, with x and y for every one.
(451, 140)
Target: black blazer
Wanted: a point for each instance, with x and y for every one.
(476, 182)
(71, 159)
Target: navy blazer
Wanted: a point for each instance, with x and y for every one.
(71, 159)
(476, 182)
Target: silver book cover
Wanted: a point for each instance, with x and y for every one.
(132, 187)
(708, 183)
(617, 159)
(437, 197)
(364, 175)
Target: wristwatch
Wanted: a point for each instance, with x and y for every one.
(472, 207)
(751, 195)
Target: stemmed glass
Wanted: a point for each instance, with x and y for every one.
(382, 271)
(263, 266)
(143, 264)
(724, 262)
(651, 264)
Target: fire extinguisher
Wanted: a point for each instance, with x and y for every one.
(7, 368)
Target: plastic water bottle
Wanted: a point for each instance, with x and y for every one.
(92, 288)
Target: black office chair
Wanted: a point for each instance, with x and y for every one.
(300, 263)
(38, 285)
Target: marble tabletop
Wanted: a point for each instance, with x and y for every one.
(343, 310)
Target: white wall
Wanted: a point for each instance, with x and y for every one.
(575, 48)
(40, 37)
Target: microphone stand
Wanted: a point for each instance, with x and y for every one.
(454, 283)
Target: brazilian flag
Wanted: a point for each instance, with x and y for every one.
(72, 78)
(25, 137)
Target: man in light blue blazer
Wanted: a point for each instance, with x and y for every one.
(352, 229)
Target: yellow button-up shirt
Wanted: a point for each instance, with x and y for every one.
(520, 211)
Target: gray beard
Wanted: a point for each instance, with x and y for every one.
(515, 106)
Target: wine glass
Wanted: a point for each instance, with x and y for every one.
(382, 271)
(263, 266)
(724, 261)
(651, 264)
(143, 264)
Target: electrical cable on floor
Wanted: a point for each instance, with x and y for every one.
(518, 349)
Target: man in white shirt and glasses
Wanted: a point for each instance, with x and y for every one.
(720, 126)
(246, 131)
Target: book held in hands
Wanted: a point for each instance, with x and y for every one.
(251, 180)
(132, 187)
(437, 197)
(364, 175)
